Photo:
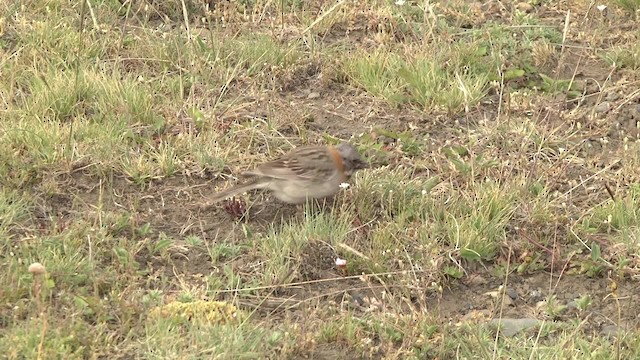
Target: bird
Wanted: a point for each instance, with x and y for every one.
(310, 172)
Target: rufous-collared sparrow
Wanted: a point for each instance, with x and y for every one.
(310, 172)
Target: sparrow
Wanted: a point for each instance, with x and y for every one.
(311, 172)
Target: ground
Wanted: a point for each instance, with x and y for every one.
(504, 186)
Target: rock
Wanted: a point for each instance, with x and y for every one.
(612, 96)
(313, 95)
(358, 298)
(592, 88)
(510, 327)
(476, 280)
(536, 295)
(524, 7)
(610, 330)
(506, 301)
(513, 294)
(603, 107)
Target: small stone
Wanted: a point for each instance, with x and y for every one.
(507, 301)
(612, 96)
(358, 299)
(510, 327)
(477, 280)
(524, 7)
(610, 330)
(36, 269)
(513, 294)
(602, 108)
(592, 88)
(536, 295)
(313, 95)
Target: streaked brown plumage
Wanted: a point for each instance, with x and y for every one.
(304, 173)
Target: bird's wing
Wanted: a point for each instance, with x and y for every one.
(292, 167)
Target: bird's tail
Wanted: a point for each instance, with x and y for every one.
(235, 190)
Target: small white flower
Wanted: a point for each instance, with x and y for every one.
(601, 7)
(400, 2)
(341, 262)
(344, 185)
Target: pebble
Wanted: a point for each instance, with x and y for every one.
(525, 7)
(507, 301)
(612, 96)
(477, 280)
(510, 327)
(313, 95)
(609, 330)
(603, 107)
(536, 295)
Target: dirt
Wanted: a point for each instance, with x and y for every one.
(477, 295)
